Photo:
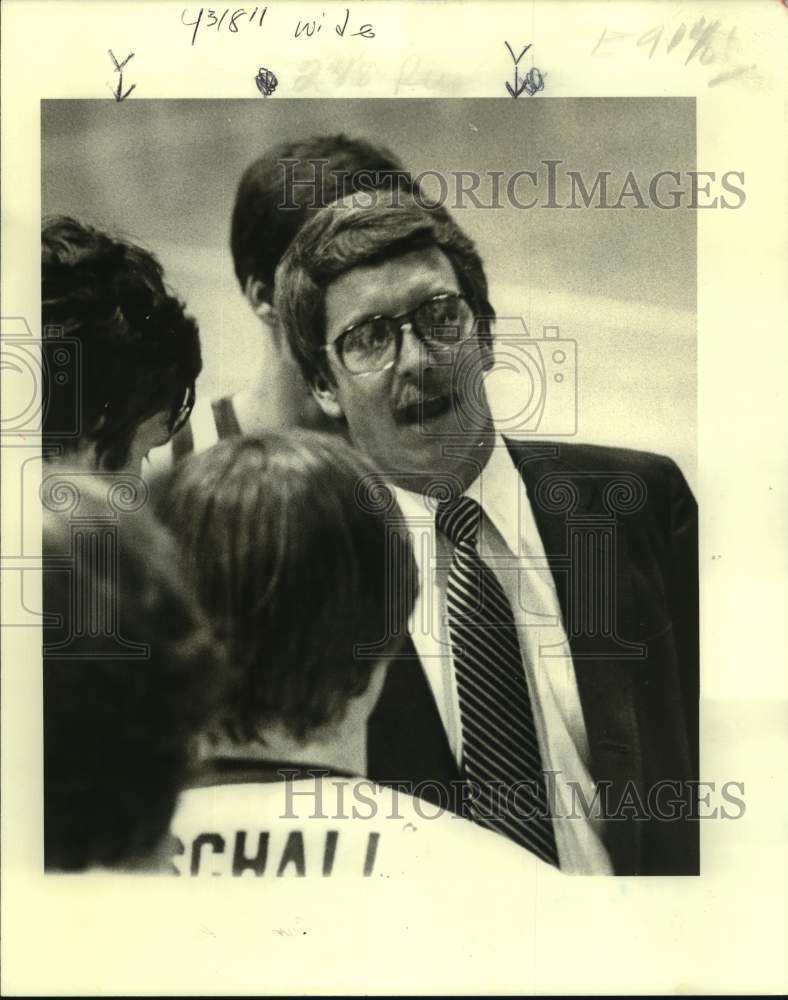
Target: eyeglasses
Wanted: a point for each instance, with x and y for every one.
(179, 414)
(183, 412)
(374, 344)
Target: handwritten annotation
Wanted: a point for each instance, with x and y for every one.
(703, 41)
(531, 83)
(119, 93)
(232, 21)
(310, 28)
(266, 81)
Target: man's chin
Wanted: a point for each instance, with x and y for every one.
(441, 447)
(443, 421)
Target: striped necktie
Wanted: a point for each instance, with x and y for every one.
(500, 746)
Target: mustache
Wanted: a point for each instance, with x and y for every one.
(429, 399)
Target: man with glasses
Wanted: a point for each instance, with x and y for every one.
(277, 192)
(512, 705)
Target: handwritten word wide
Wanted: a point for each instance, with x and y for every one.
(306, 29)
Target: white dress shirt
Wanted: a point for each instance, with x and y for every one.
(510, 544)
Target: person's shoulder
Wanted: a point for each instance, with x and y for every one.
(224, 799)
(652, 467)
(645, 486)
(353, 825)
(431, 838)
(599, 457)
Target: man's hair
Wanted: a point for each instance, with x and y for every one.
(279, 191)
(117, 730)
(136, 352)
(299, 567)
(343, 236)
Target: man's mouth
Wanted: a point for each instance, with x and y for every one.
(424, 408)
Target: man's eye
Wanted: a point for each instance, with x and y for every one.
(371, 336)
(444, 312)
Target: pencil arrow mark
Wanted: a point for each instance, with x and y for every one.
(532, 82)
(518, 86)
(122, 97)
(527, 47)
(119, 66)
(119, 94)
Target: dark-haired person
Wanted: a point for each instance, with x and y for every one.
(298, 562)
(552, 653)
(276, 194)
(131, 676)
(121, 357)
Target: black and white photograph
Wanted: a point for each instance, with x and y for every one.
(377, 426)
(364, 466)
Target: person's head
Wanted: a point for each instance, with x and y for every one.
(131, 676)
(291, 543)
(411, 392)
(287, 184)
(133, 354)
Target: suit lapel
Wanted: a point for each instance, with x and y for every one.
(407, 741)
(569, 513)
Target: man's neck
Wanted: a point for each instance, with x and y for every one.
(458, 477)
(455, 475)
(343, 749)
(265, 407)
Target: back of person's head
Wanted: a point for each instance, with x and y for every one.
(345, 235)
(288, 183)
(299, 565)
(133, 352)
(131, 676)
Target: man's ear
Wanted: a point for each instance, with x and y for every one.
(326, 397)
(258, 296)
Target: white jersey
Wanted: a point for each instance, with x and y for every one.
(333, 827)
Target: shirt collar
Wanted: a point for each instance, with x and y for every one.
(498, 490)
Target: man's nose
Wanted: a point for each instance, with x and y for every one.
(411, 355)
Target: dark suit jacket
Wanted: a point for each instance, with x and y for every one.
(620, 530)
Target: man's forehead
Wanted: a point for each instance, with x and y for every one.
(387, 287)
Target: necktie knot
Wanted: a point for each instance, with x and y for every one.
(459, 520)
